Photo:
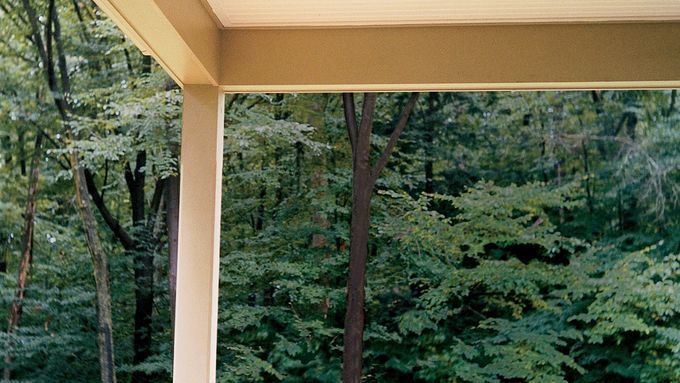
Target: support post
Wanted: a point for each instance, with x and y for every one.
(199, 235)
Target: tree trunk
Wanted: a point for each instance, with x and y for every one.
(586, 169)
(363, 180)
(671, 106)
(318, 181)
(62, 89)
(143, 259)
(359, 231)
(22, 151)
(558, 170)
(142, 255)
(26, 251)
(7, 149)
(100, 271)
(429, 143)
(3, 257)
(172, 217)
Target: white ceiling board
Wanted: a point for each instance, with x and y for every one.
(338, 13)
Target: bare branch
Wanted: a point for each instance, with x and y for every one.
(394, 137)
(367, 112)
(234, 98)
(16, 53)
(671, 107)
(61, 55)
(350, 117)
(113, 224)
(5, 7)
(35, 31)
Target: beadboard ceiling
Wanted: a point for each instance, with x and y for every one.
(338, 13)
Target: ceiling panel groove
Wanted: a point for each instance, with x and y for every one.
(335, 13)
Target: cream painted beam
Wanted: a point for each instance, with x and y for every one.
(481, 57)
(199, 235)
(180, 34)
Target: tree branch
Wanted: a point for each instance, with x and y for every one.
(113, 224)
(17, 54)
(156, 200)
(350, 117)
(61, 56)
(10, 12)
(35, 31)
(671, 107)
(234, 98)
(367, 113)
(394, 137)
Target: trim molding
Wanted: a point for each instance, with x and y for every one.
(180, 35)
(449, 58)
(187, 42)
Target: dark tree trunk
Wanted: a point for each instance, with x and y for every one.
(3, 258)
(363, 182)
(61, 86)
(143, 266)
(558, 171)
(671, 106)
(429, 143)
(143, 310)
(143, 248)
(26, 251)
(172, 217)
(7, 148)
(258, 217)
(22, 151)
(362, 188)
(429, 175)
(101, 275)
(586, 169)
(354, 317)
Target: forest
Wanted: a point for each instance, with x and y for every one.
(512, 236)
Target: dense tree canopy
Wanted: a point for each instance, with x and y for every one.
(515, 236)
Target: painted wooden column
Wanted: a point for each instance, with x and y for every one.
(199, 235)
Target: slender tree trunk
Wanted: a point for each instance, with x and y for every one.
(26, 251)
(143, 259)
(100, 271)
(22, 151)
(99, 258)
(3, 257)
(363, 180)
(146, 248)
(429, 143)
(359, 231)
(558, 170)
(671, 106)
(172, 206)
(319, 182)
(586, 168)
(7, 148)
(142, 255)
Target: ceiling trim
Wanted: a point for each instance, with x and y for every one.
(184, 39)
(180, 35)
(361, 13)
(454, 87)
(482, 57)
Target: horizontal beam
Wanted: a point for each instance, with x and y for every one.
(180, 35)
(473, 57)
(185, 39)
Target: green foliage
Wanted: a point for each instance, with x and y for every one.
(516, 236)
(635, 306)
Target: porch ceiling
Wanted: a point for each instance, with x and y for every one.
(354, 45)
(299, 13)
